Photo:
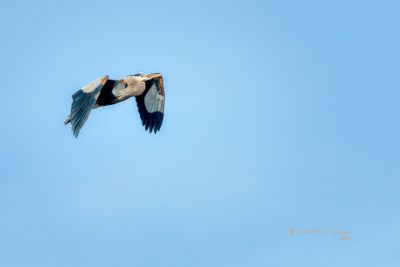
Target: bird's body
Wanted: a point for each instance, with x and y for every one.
(148, 90)
(116, 91)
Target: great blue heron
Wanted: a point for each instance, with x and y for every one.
(147, 88)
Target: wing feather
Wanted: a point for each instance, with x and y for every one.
(151, 105)
(83, 102)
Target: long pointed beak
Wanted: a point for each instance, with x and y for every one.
(151, 76)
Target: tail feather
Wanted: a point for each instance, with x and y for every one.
(67, 120)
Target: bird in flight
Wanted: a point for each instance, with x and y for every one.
(148, 90)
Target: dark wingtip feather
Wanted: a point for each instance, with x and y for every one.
(81, 107)
(151, 121)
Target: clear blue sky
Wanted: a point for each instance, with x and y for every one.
(279, 115)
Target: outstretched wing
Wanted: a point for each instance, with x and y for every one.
(83, 102)
(151, 104)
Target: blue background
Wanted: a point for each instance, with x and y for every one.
(280, 115)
